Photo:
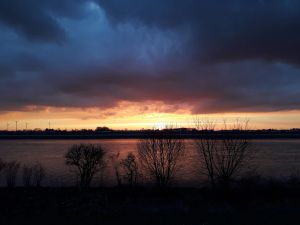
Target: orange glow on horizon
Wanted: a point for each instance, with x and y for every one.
(136, 116)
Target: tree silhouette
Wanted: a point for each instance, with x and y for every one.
(87, 160)
(38, 174)
(131, 169)
(222, 159)
(206, 147)
(2, 165)
(27, 175)
(11, 172)
(114, 159)
(159, 157)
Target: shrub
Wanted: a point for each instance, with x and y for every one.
(87, 160)
(11, 172)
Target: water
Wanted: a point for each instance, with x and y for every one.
(274, 158)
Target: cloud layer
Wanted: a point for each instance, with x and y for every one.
(211, 56)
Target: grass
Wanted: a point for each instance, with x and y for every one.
(240, 206)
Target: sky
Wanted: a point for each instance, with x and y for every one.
(141, 64)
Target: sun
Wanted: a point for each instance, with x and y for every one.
(160, 125)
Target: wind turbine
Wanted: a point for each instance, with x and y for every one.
(16, 125)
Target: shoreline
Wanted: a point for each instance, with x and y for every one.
(142, 136)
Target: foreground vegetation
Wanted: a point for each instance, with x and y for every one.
(233, 195)
(272, 204)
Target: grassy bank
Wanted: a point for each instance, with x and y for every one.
(274, 204)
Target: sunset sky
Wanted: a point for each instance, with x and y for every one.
(142, 64)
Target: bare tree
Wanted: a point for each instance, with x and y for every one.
(234, 151)
(87, 159)
(38, 174)
(2, 165)
(131, 169)
(27, 175)
(115, 161)
(206, 146)
(223, 158)
(159, 157)
(11, 172)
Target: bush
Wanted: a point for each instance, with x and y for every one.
(38, 174)
(2, 165)
(159, 157)
(27, 175)
(223, 159)
(87, 160)
(131, 170)
(11, 172)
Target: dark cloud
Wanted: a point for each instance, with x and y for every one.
(212, 56)
(222, 30)
(36, 19)
(206, 88)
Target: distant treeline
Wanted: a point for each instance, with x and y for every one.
(104, 132)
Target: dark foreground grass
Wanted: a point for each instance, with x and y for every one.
(143, 206)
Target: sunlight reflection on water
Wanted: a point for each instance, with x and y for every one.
(274, 158)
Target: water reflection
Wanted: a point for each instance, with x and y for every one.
(274, 158)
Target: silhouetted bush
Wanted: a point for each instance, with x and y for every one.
(159, 157)
(115, 161)
(2, 165)
(206, 148)
(223, 159)
(131, 170)
(87, 160)
(11, 172)
(38, 174)
(27, 175)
